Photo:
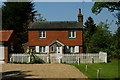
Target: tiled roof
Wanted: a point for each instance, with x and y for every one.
(55, 25)
(5, 35)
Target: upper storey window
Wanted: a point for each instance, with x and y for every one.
(42, 34)
(72, 34)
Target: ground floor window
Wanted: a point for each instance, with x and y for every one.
(52, 49)
(42, 49)
(72, 49)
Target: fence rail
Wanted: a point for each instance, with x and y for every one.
(63, 58)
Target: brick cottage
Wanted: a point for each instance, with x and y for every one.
(56, 37)
(6, 44)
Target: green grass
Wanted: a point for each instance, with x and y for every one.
(108, 70)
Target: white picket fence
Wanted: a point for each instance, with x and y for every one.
(64, 58)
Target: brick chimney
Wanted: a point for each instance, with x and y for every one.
(80, 16)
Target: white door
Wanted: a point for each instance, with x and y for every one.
(58, 53)
(1, 53)
(59, 50)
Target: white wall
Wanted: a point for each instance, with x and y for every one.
(1, 54)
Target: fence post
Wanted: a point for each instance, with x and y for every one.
(61, 60)
(29, 58)
(47, 59)
(22, 57)
(98, 73)
(13, 57)
(86, 67)
(105, 59)
(92, 60)
(78, 60)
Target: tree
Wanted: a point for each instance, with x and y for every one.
(0, 18)
(38, 17)
(101, 39)
(116, 42)
(89, 30)
(90, 26)
(16, 16)
(111, 6)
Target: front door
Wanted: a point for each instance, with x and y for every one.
(59, 49)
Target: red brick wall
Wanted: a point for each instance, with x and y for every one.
(62, 36)
(6, 53)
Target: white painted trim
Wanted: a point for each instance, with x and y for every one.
(59, 50)
(43, 48)
(72, 49)
(72, 33)
(37, 49)
(42, 34)
(76, 49)
(51, 48)
(57, 42)
(47, 49)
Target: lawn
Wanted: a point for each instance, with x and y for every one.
(108, 70)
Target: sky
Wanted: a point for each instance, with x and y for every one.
(67, 11)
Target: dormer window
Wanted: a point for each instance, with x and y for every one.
(42, 34)
(72, 34)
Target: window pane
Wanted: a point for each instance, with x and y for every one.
(40, 34)
(72, 49)
(43, 48)
(52, 48)
(73, 33)
(69, 33)
(43, 33)
(40, 49)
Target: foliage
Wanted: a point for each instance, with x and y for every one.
(33, 58)
(101, 39)
(89, 30)
(113, 49)
(111, 68)
(98, 39)
(117, 15)
(31, 53)
(111, 6)
(116, 42)
(16, 17)
(38, 17)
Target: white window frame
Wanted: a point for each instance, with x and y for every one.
(72, 49)
(41, 33)
(42, 49)
(53, 49)
(71, 34)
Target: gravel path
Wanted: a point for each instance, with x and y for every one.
(41, 71)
